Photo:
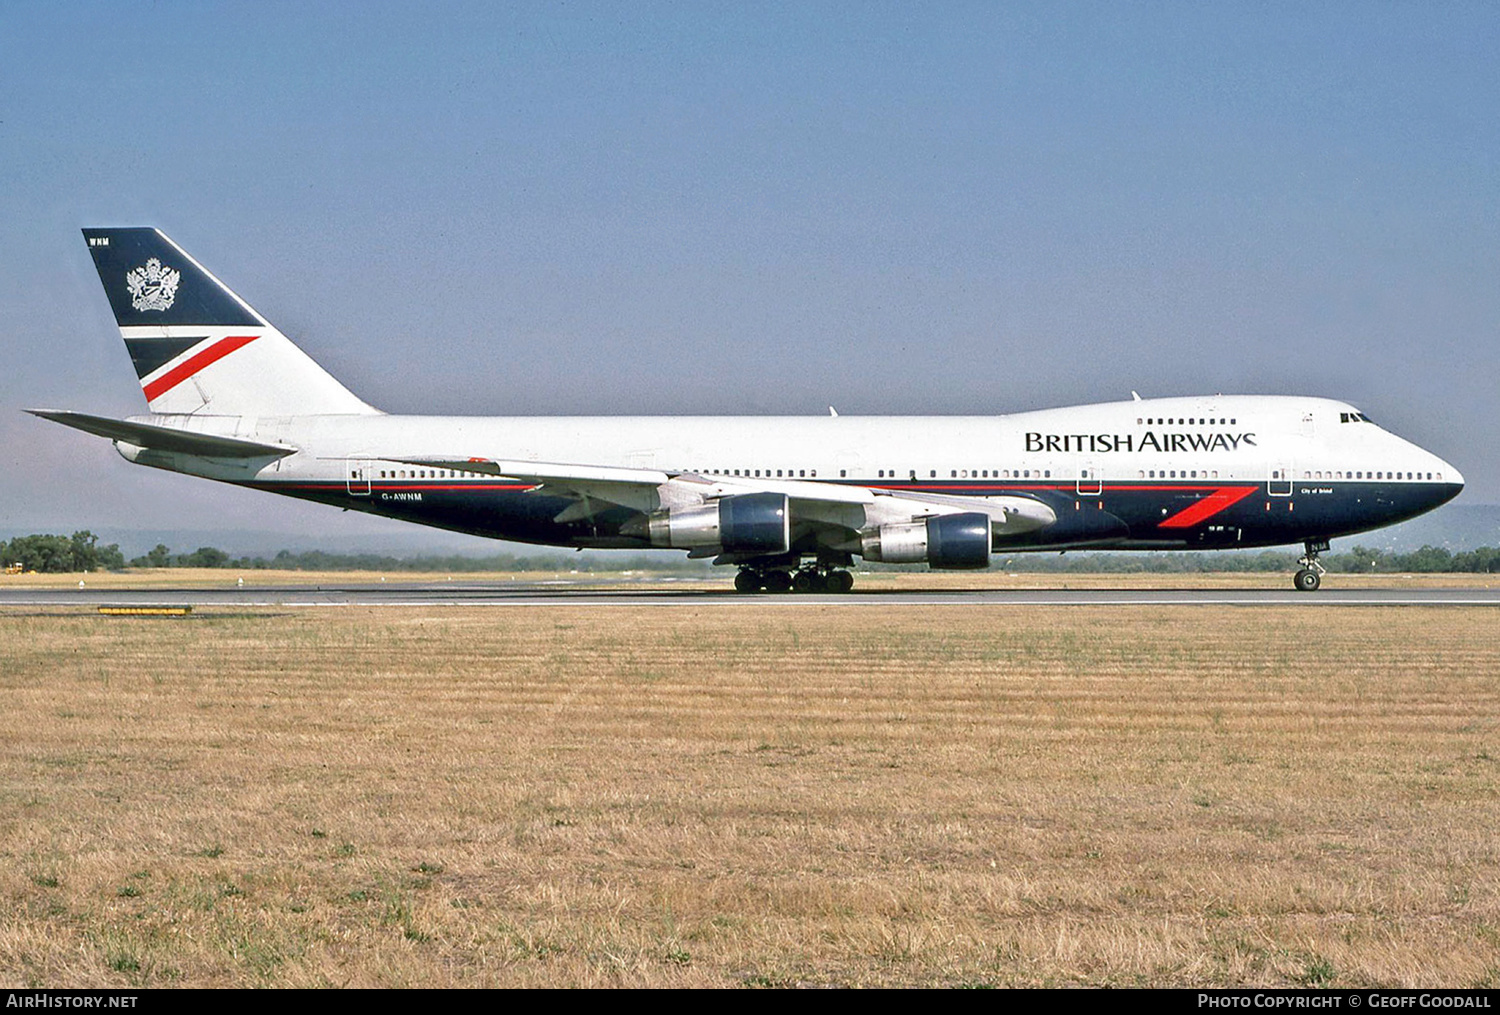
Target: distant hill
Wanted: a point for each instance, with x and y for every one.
(1454, 527)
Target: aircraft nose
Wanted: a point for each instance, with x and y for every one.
(1450, 475)
(1454, 476)
(1452, 483)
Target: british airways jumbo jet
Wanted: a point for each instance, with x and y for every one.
(790, 501)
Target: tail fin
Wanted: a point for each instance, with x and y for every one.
(196, 346)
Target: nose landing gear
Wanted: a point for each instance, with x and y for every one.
(1311, 576)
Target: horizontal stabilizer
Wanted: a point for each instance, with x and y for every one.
(163, 438)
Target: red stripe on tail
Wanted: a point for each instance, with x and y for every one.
(187, 368)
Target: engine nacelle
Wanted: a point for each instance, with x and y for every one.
(759, 523)
(947, 542)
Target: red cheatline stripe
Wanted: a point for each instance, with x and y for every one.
(1207, 507)
(190, 366)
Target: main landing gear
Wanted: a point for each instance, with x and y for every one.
(1311, 576)
(807, 579)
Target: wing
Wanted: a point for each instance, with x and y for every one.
(676, 507)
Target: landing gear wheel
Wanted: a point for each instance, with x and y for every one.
(1311, 575)
(778, 581)
(747, 581)
(840, 582)
(809, 580)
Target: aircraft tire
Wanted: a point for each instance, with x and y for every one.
(840, 582)
(810, 580)
(747, 581)
(1307, 580)
(778, 581)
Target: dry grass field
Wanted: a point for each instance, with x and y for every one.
(785, 795)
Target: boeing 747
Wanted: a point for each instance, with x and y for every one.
(789, 501)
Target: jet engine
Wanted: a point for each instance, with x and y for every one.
(947, 542)
(758, 523)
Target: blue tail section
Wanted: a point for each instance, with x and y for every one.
(151, 281)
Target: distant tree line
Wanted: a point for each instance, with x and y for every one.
(1485, 560)
(81, 552)
(318, 560)
(61, 554)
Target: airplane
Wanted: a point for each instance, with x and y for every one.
(789, 501)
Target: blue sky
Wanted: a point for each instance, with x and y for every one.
(759, 208)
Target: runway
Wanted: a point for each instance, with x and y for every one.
(703, 593)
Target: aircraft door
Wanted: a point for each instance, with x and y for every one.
(357, 473)
(1279, 483)
(1090, 484)
(850, 465)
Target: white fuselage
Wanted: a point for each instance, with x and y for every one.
(1226, 438)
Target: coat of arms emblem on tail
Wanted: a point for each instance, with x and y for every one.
(153, 286)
